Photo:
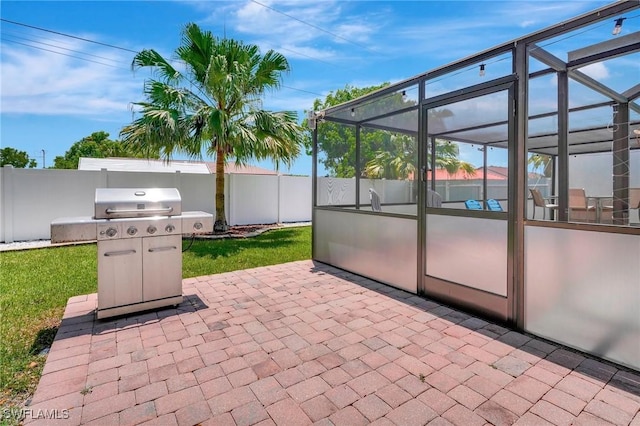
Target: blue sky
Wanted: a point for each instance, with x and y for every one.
(51, 100)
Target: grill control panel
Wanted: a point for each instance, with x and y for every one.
(138, 227)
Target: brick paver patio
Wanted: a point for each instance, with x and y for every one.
(304, 343)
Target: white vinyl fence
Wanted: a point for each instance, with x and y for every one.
(30, 199)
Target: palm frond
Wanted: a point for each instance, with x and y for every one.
(162, 67)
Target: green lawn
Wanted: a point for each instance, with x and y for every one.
(36, 284)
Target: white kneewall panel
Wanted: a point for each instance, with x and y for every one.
(468, 251)
(379, 247)
(582, 289)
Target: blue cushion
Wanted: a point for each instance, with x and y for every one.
(494, 205)
(473, 205)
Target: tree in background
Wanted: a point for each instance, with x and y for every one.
(97, 145)
(214, 106)
(18, 159)
(337, 142)
(384, 154)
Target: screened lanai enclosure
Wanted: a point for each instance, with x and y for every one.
(507, 183)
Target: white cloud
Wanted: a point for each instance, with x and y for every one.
(45, 83)
(598, 71)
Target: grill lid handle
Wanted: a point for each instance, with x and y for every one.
(162, 210)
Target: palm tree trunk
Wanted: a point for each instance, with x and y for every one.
(220, 224)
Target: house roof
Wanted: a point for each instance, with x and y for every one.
(160, 166)
(246, 170)
(443, 174)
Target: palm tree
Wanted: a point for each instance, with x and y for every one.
(213, 106)
(401, 163)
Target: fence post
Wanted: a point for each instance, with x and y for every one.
(104, 178)
(279, 199)
(8, 201)
(229, 199)
(177, 181)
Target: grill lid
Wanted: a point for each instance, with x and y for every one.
(137, 202)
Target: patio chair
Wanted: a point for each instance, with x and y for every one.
(579, 209)
(634, 201)
(473, 205)
(539, 201)
(433, 199)
(375, 200)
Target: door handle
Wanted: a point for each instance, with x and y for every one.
(119, 253)
(167, 248)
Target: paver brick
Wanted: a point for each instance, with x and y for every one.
(268, 390)
(288, 412)
(109, 405)
(436, 400)
(368, 383)
(162, 373)
(372, 407)
(608, 412)
(242, 377)
(348, 416)
(181, 381)
(308, 389)
(552, 413)
(138, 414)
(619, 401)
(578, 387)
(412, 412)
(495, 414)
(215, 387)
(512, 402)
(318, 408)
(133, 382)
(177, 400)
(587, 419)
(393, 395)
(441, 381)
(565, 401)
(466, 396)
(341, 396)
(230, 400)
(249, 414)
(166, 420)
(528, 388)
(543, 375)
(511, 365)
(289, 377)
(530, 419)
(150, 392)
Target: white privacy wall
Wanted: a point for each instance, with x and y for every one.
(30, 199)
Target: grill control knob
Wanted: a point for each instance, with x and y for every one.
(132, 230)
(197, 226)
(170, 228)
(111, 232)
(151, 229)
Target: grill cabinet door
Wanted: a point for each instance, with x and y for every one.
(119, 272)
(162, 267)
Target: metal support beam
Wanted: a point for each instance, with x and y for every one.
(576, 75)
(619, 45)
(518, 185)
(563, 146)
(314, 185)
(621, 164)
(357, 167)
(632, 93)
(422, 140)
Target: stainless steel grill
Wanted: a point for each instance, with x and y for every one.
(139, 233)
